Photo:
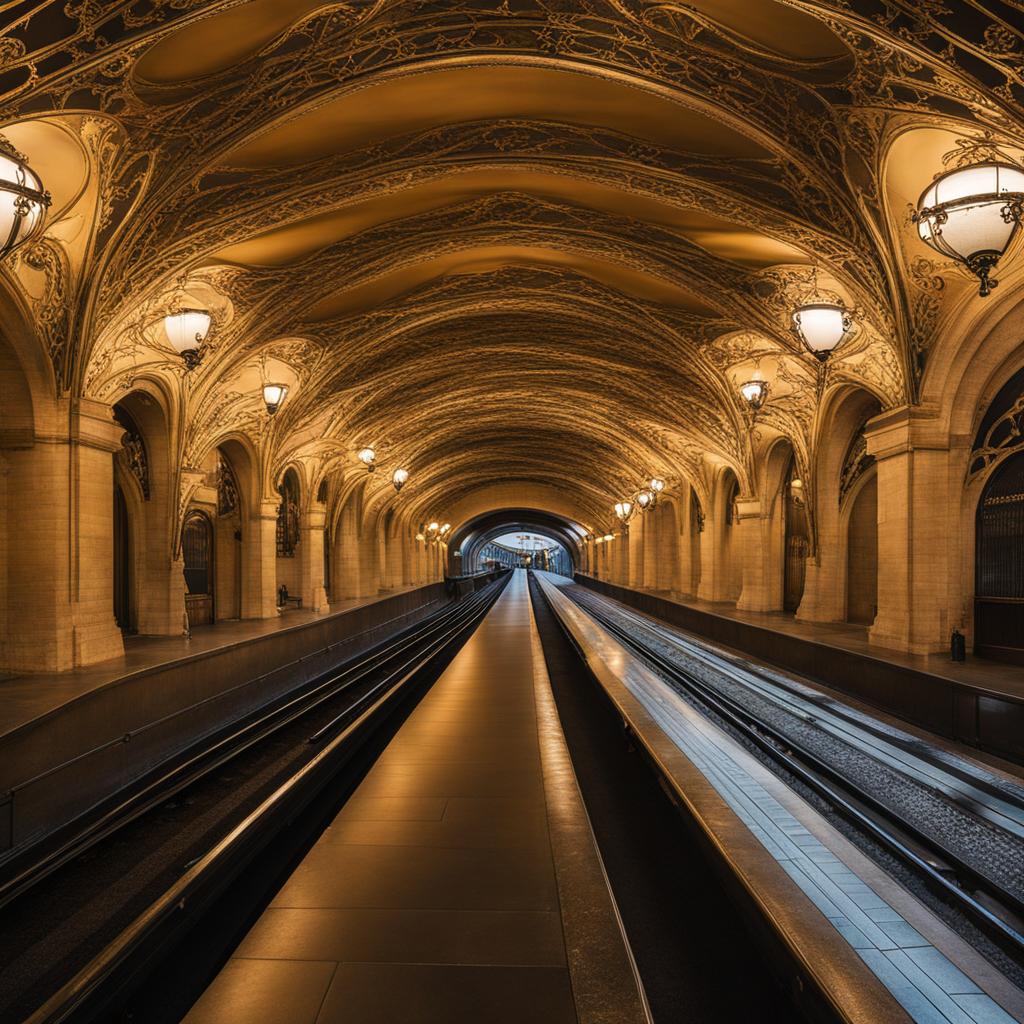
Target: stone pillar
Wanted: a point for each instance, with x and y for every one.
(369, 565)
(311, 553)
(657, 557)
(635, 537)
(60, 543)
(259, 564)
(755, 553)
(918, 512)
(714, 583)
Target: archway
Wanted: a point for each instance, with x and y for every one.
(470, 537)
(999, 564)
(228, 543)
(796, 543)
(732, 555)
(124, 596)
(289, 580)
(862, 553)
(197, 551)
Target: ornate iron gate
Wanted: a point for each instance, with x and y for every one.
(999, 565)
(197, 550)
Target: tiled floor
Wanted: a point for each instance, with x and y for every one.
(929, 986)
(433, 895)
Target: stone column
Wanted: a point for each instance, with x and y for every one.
(60, 537)
(714, 584)
(369, 565)
(755, 554)
(259, 564)
(918, 515)
(311, 553)
(637, 536)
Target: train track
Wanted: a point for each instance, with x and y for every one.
(294, 752)
(980, 811)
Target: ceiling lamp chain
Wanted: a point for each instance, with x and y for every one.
(971, 215)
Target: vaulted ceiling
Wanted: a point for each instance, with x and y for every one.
(526, 241)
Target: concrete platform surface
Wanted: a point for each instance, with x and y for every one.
(459, 884)
(873, 948)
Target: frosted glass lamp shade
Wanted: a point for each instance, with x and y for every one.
(186, 331)
(609, 537)
(399, 477)
(971, 215)
(23, 200)
(367, 456)
(273, 396)
(755, 393)
(624, 509)
(657, 485)
(645, 499)
(821, 326)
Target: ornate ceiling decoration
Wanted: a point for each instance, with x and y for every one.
(537, 241)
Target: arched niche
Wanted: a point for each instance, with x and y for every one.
(142, 474)
(288, 537)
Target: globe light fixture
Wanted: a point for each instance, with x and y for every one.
(445, 529)
(23, 200)
(971, 215)
(186, 331)
(399, 477)
(755, 392)
(657, 485)
(367, 456)
(822, 326)
(645, 499)
(420, 536)
(273, 396)
(624, 509)
(609, 537)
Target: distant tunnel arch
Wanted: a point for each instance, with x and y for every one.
(470, 537)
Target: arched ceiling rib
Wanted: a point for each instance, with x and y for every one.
(531, 242)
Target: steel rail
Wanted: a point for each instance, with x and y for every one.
(844, 797)
(224, 747)
(987, 799)
(102, 982)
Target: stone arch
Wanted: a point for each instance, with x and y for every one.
(143, 469)
(847, 411)
(859, 532)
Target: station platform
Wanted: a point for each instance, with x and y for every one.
(460, 882)
(872, 950)
(978, 702)
(980, 673)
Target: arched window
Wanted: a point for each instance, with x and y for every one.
(796, 540)
(197, 551)
(288, 516)
(999, 564)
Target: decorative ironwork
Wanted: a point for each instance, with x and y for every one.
(856, 463)
(288, 516)
(169, 197)
(133, 447)
(228, 502)
(999, 566)
(1001, 434)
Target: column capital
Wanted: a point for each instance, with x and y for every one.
(748, 508)
(96, 426)
(905, 429)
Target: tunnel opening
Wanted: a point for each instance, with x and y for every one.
(516, 538)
